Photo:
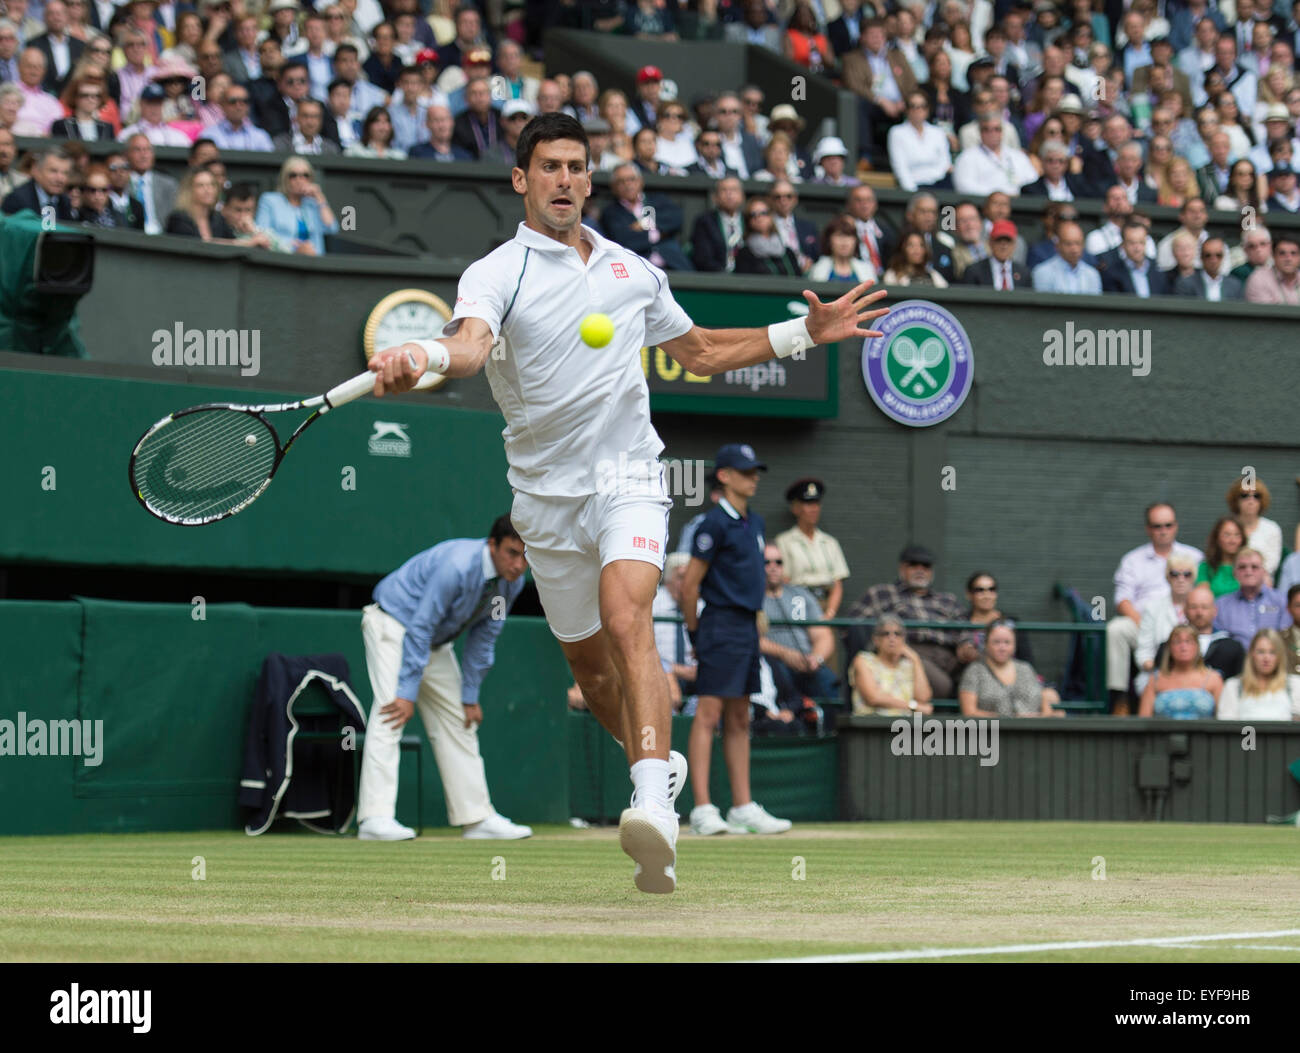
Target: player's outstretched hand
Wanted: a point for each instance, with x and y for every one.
(393, 370)
(844, 318)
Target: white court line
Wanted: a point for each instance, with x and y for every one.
(1024, 948)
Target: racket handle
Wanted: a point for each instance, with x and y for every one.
(364, 384)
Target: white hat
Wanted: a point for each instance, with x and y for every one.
(514, 106)
(831, 146)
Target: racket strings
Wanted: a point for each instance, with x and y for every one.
(204, 464)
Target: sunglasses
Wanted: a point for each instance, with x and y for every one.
(1162, 526)
(985, 588)
(94, 190)
(774, 562)
(299, 175)
(1249, 496)
(1180, 574)
(890, 632)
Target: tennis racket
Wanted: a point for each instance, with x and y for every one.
(210, 462)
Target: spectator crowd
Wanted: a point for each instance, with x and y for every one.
(1190, 104)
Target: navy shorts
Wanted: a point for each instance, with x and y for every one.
(727, 648)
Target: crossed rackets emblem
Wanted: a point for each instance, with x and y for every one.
(918, 360)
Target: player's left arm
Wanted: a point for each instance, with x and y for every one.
(706, 352)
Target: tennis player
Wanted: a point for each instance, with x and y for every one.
(596, 549)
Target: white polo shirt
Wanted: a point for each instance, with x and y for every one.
(569, 407)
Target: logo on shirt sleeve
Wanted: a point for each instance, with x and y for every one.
(638, 542)
(619, 270)
(703, 542)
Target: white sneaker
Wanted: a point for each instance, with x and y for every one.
(650, 838)
(676, 777)
(377, 829)
(707, 820)
(496, 827)
(753, 819)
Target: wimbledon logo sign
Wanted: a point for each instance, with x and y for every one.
(920, 372)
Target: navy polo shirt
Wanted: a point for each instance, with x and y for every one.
(732, 545)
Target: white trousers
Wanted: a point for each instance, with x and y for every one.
(439, 705)
(1121, 642)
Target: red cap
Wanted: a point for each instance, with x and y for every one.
(648, 73)
(1003, 228)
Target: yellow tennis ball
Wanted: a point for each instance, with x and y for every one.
(596, 330)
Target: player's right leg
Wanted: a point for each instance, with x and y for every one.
(377, 799)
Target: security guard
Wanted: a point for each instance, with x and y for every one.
(812, 557)
(726, 568)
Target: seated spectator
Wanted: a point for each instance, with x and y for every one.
(999, 270)
(982, 601)
(882, 79)
(1110, 235)
(1266, 689)
(10, 176)
(40, 108)
(764, 251)
(1254, 252)
(644, 108)
(948, 107)
(1100, 160)
(408, 113)
(84, 124)
(674, 147)
(1242, 191)
(1288, 575)
(1221, 652)
(644, 144)
(1210, 282)
(1291, 636)
(1066, 272)
(1186, 261)
(307, 136)
(236, 131)
(919, 152)
(1057, 182)
(910, 597)
(646, 223)
(844, 32)
(478, 130)
(384, 64)
(1213, 178)
(874, 237)
(778, 161)
(1128, 175)
(708, 157)
(586, 92)
(47, 188)
(151, 123)
(798, 233)
(804, 43)
(1161, 613)
(910, 264)
(1184, 688)
(889, 680)
(1227, 538)
(614, 111)
(440, 124)
(239, 209)
(829, 158)
(1248, 503)
(1140, 578)
(603, 159)
(1254, 605)
(298, 211)
(1129, 270)
(1279, 283)
(718, 235)
(1283, 194)
(754, 28)
(992, 165)
(998, 685)
(362, 95)
(95, 208)
(968, 244)
(196, 214)
(347, 121)
(839, 261)
(796, 654)
(1229, 114)
(376, 138)
(515, 114)
(1181, 186)
(671, 641)
(740, 149)
(812, 558)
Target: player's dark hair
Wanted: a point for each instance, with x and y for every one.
(503, 529)
(548, 128)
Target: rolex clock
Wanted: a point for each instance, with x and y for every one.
(408, 314)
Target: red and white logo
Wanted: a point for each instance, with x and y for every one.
(619, 270)
(638, 542)
(654, 545)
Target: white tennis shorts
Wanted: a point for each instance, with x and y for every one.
(569, 540)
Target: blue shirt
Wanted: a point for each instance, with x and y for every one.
(437, 595)
(1140, 276)
(1243, 618)
(277, 214)
(732, 545)
(408, 128)
(1055, 275)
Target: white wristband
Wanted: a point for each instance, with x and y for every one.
(789, 336)
(437, 353)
